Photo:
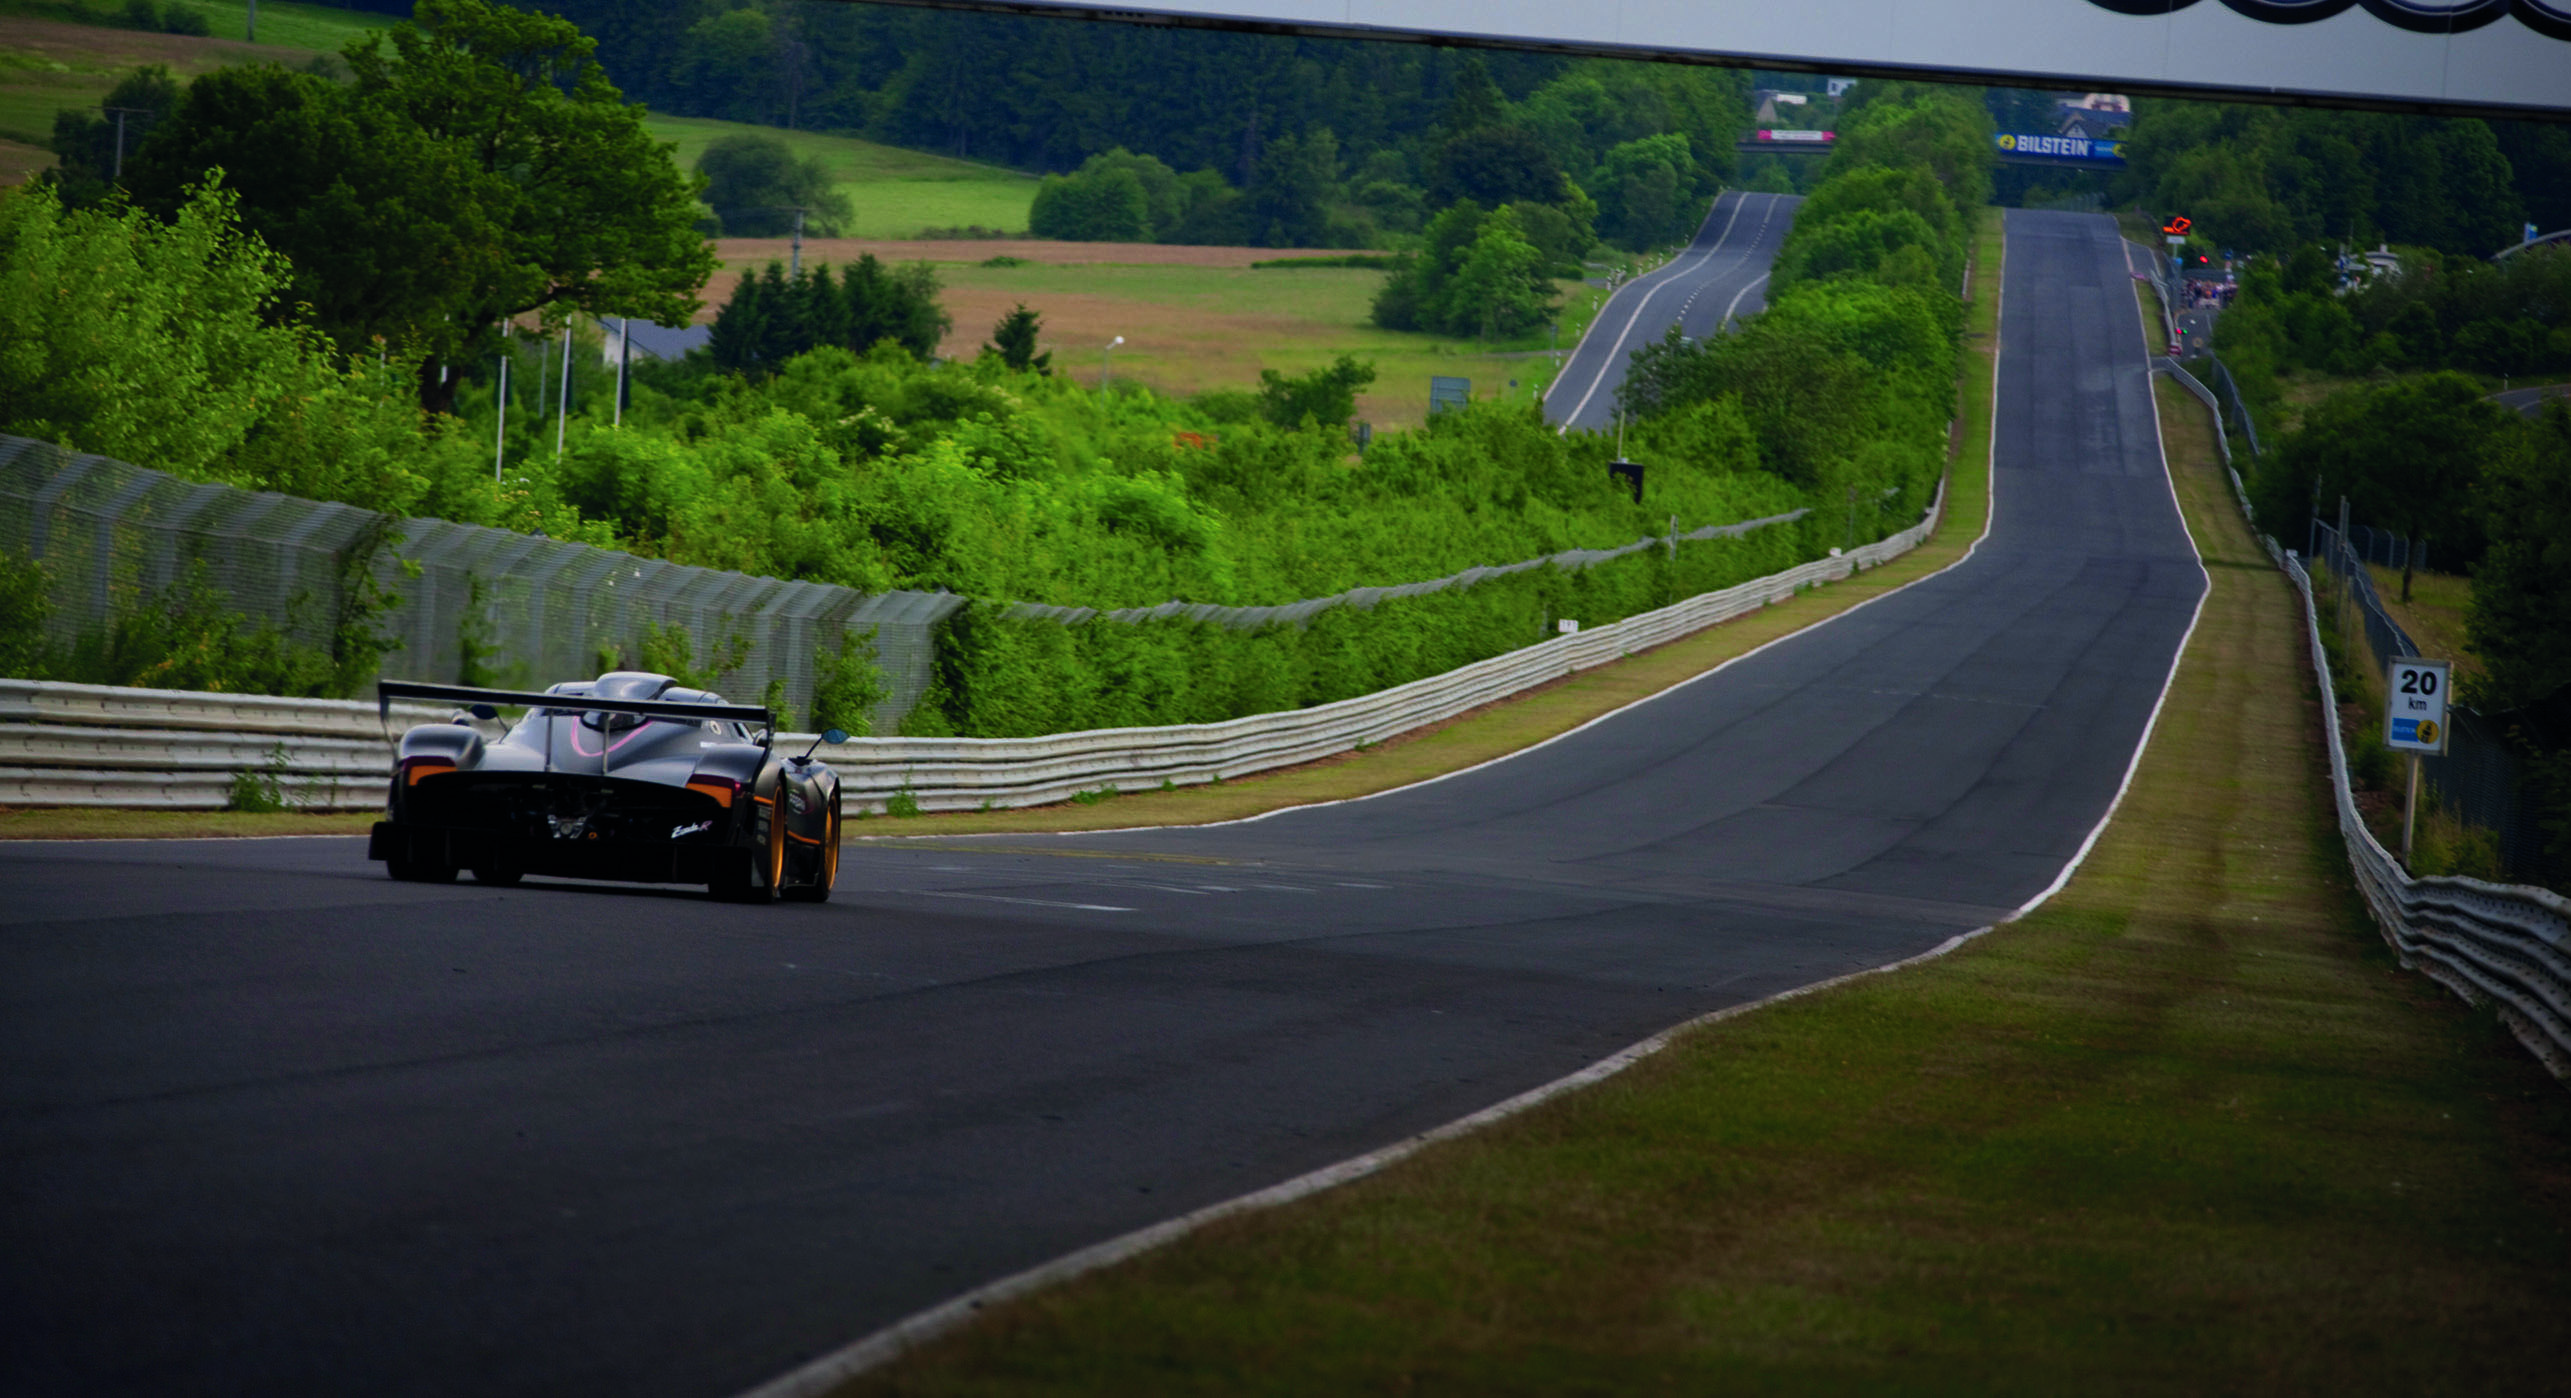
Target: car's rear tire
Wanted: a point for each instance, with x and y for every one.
(410, 871)
(825, 863)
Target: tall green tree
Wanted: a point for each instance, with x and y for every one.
(2520, 617)
(90, 146)
(1327, 396)
(773, 317)
(2407, 455)
(593, 213)
(387, 231)
(1013, 340)
(755, 182)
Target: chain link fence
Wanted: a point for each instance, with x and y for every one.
(522, 608)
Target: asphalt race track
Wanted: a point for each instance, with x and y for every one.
(274, 1124)
(1722, 274)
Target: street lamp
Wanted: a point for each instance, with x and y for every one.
(1107, 360)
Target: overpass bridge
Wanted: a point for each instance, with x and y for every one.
(2440, 57)
(2014, 148)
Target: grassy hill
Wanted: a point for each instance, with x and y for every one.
(896, 193)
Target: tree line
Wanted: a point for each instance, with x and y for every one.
(2269, 179)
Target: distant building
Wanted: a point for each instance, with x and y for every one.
(1775, 108)
(652, 341)
(2092, 116)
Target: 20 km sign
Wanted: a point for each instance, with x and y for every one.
(2415, 707)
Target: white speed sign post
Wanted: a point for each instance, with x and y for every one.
(2415, 723)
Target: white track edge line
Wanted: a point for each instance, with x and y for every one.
(1595, 321)
(895, 1340)
(891, 1342)
(1669, 278)
(1736, 301)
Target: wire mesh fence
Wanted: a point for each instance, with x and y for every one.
(2237, 422)
(483, 605)
(516, 609)
(2480, 778)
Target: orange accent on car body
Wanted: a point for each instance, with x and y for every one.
(720, 791)
(418, 767)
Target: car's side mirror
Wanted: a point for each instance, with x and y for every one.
(834, 736)
(484, 712)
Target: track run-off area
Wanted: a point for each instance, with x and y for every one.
(1720, 276)
(272, 1122)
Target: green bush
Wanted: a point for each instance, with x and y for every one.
(999, 676)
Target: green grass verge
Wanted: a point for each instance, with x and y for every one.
(80, 823)
(2434, 615)
(2187, 1126)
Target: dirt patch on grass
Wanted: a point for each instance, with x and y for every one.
(758, 252)
(97, 48)
(20, 162)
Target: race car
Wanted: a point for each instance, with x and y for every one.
(628, 776)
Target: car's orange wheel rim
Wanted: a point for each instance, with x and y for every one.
(830, 850)
(777, 843)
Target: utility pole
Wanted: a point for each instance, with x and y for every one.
(624, 354)
(562, 419)
(117, 173)
(796, 268)
(252, 34)
(500, 436)
(1107, 361)
(2343, 562)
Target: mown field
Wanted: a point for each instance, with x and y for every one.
(1195, 318)
(48, 64)
(894, 193)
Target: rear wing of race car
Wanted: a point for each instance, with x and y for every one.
(386, 691)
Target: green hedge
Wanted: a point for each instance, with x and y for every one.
(1001, 677)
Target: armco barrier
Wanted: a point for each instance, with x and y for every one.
(91, 745)
(2504, 945)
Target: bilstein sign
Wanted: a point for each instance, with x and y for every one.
(2494, 56)
(2073, 148)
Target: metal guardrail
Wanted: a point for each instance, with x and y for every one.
(2497, 944)
(2505, 945)
(93, 745)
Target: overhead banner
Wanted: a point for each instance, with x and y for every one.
(2070, 149)
(2488, 56)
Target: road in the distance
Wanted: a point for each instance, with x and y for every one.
(1722, 274)
(270, 1123)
